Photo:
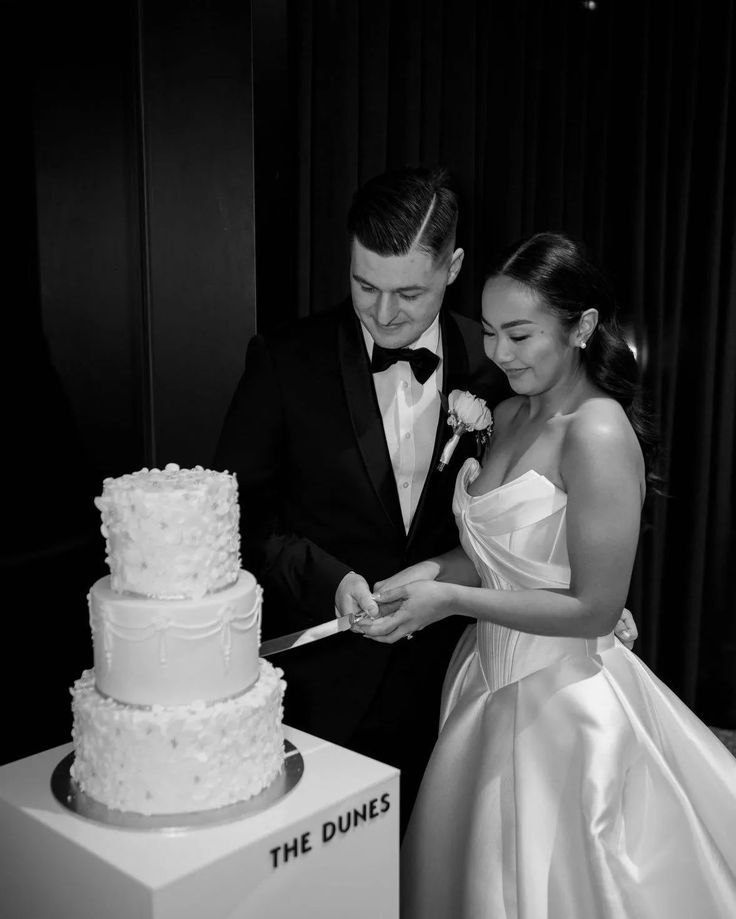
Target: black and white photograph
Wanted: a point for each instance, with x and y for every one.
(369, 445)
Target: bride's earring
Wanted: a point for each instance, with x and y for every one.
(586, 325)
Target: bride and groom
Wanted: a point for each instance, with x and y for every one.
(566, 780)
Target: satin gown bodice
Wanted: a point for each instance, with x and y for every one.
(516, 536)
(567, 781)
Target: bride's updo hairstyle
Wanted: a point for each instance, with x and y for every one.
(557, 269)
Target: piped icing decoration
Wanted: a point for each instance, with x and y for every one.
(171, 533)
(161, 624)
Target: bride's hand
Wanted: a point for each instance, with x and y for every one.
(421, 571)
(418, 604)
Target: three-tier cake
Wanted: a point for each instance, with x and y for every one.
(178, 714)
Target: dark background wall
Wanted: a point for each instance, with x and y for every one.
(144, 163)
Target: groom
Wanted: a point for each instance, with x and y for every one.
(335, 432)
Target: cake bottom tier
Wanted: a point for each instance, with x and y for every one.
(159, 760)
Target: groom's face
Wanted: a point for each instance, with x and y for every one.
(397, 297)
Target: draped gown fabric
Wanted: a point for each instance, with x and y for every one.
(567, 781)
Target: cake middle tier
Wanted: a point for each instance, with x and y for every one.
(173, 652)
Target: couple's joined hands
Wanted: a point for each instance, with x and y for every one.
(354, 596)
(410, 600)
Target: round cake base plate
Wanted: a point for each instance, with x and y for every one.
(69, 795)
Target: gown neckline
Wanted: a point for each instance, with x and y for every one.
(514, 481)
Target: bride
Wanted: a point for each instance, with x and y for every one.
(567, 781)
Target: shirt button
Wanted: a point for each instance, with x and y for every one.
(404, 384)
(404, 484)
(407, 435)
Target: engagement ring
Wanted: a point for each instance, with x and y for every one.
(409, 636)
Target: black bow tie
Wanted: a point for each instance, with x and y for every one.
(423, 361)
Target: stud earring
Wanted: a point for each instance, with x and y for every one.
(583, 345)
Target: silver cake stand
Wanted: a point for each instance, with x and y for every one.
(69, 795)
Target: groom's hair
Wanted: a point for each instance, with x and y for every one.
(411, 207)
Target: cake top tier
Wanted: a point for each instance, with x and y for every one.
(171, 533)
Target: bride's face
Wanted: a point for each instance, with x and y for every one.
(524, 339)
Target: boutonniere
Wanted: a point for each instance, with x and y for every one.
(466, 412)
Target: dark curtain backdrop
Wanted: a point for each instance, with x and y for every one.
(616, 124)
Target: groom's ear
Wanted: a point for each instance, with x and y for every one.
(456, 263)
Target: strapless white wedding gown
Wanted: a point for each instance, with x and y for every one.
(567, 781)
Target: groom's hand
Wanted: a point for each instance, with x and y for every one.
(353, 597)
(626, 630)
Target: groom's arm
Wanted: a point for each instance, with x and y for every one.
(299, 578)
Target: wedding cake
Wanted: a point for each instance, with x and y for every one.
(178, 714)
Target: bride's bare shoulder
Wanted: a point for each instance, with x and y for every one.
(601, 414)
(599, 431)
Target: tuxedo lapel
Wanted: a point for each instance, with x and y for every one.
(455, 368)
(366, 416)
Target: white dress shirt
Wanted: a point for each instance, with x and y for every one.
(410, 412)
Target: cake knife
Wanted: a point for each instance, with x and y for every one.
(305, 636)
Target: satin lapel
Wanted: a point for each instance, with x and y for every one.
(366, 416)
(454, 376)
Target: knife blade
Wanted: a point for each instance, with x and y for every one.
(305, 636)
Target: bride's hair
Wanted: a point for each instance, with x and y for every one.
(557, 269)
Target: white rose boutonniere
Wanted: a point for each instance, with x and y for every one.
(466, 412)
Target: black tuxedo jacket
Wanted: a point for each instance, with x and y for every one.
(318, 499)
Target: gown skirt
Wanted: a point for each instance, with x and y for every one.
(567, 782)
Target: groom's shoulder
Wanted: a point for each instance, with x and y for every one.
(466, 324)
(307, 333)
(484, 378)
(471, 333)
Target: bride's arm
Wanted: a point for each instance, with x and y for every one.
(453, 566)
(602, 470)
